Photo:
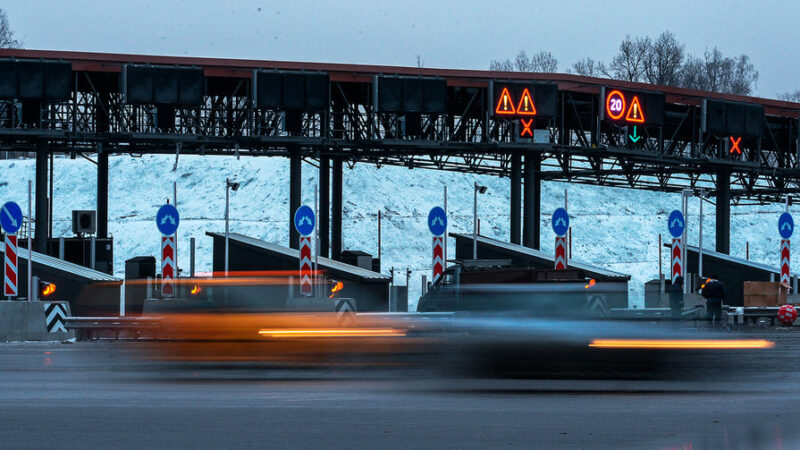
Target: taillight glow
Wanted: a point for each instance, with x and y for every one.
(682, 343)
(331, 332)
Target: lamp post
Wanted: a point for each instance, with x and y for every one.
(229, 185)
(478, 189)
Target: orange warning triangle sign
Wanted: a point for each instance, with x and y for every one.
(526, 106)
(505, 105)
(635, 112)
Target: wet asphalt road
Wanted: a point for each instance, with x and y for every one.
(96, 395)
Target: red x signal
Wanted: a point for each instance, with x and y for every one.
(526, 127)
(735, 145)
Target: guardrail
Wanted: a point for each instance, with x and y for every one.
(86, 328)
(738, 315)
(694, 313)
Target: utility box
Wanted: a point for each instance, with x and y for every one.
(137, 271)
(357, 258)
(764, 294)
(399, 299)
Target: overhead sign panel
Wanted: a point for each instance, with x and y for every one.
(732, 118)
(35, 80)
(291, 91)
(411, 94)
(516, 99)
(144, 85)
(632, 107)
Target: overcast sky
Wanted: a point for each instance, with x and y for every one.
(447, 33)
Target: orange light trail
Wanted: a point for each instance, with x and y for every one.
(332, 332)
(682, 343)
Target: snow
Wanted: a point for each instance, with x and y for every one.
(612, 227)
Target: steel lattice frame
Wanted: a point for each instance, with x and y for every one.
(582, 149)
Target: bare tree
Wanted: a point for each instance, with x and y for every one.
(743, 76)
(544, 62)
(629, 63)
(790, 96)
(6, 35)
(588, 67)
(420, 62)
(717, 73)
(540, 62)
(501, 65)
(664, 61)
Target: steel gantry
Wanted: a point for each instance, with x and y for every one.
(230, 114)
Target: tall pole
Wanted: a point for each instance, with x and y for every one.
(227, 206)
(175, 204)
(379, 235)
(445, 233)
(316, 242)
(30, 254)
(685, 208)
(475, 222)
(700, 239)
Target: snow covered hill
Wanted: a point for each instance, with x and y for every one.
(614, 228)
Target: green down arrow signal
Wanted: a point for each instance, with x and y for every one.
(634, 137)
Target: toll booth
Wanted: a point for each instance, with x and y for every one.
(732, 272)
(523, 257)
(246, 254)
(89, 292)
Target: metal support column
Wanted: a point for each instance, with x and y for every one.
(516, 197)
(336, 210)
(295, 184)
(724, 211)
(102, 194)
(324, 205)
(533, 201)
(40, 230)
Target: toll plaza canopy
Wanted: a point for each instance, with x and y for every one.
(520, 256)
(89, 291)
(369, 289)
(733, 272)
(524, 126)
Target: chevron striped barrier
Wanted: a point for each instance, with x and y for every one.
(10, 266)
(561, 253)
(168, 266)
(438, 257)
(305, 266)
(345, 311)
(785, 250)
(677, 258)
(55, 315)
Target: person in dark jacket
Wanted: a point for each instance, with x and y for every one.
(676, 298)
(714, 292)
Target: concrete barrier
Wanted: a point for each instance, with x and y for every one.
(27, 321)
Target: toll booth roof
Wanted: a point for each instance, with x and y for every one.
(538, 257)
(335, 268)
(63, 266)
(722, 258)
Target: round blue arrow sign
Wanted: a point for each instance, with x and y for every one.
(437, 221)
(304, 220)
(167, 220)
(676, 224)
(785, 225)
(560, 221)
(11, 217)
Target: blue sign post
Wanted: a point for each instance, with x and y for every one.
(11, 217)
(676, 224)
(560, 221)
(304, 220)
(786, 225)
(167, 220)
(437, 221)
